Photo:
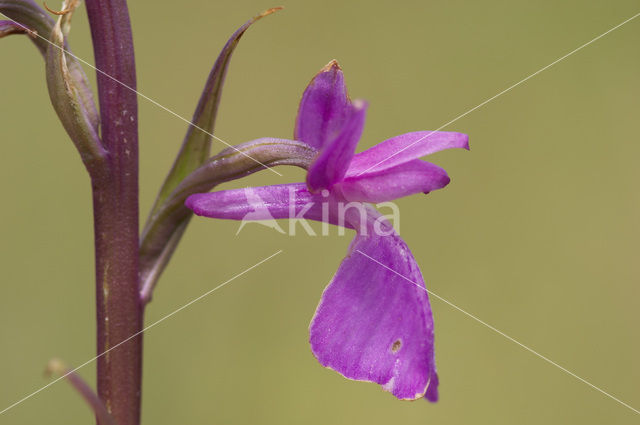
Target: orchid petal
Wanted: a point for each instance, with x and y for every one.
(265, 203)
(333, 161)
(324, 109)
(392, 183)
(374, 321)
(404, 148)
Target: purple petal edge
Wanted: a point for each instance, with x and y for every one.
(404, 148)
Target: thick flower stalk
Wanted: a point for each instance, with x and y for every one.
(119, 312)
(372, 323)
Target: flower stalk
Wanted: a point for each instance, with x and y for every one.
(115, 203)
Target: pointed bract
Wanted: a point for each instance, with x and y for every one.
(69, 97)
(194, 152)
(196, 146)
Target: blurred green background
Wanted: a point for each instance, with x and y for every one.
(536, 235)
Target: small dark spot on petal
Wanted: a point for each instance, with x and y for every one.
(395, 347)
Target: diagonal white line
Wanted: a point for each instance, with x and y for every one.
(506, 90)
(140, 332)
(33, 33)
(503, 334)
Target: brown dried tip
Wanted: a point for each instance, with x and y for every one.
(269, 12)
(331, 65)
(55, 12)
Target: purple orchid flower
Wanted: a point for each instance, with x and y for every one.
(372, 323)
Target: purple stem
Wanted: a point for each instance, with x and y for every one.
(115, 203)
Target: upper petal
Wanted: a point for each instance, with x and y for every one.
(404, 148)
(332, 162)
(324, 109)
(374, 321)
(415, 176)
